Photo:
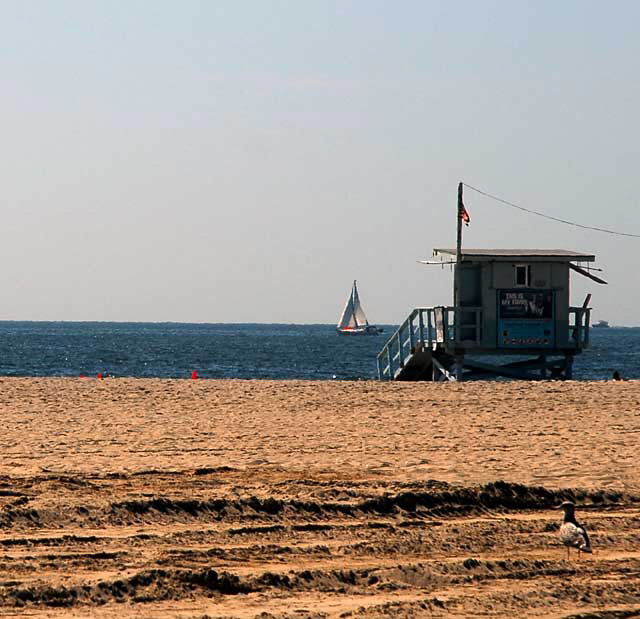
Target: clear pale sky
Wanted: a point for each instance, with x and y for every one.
(238, 161)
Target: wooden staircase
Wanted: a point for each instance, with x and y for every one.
(409, 352)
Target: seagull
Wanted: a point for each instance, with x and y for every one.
(573, 534)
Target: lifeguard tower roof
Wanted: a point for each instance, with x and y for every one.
(557, 255)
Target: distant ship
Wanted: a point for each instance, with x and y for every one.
(603, 324)
(353, 320)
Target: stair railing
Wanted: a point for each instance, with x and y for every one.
(418, 331)
(424, 329)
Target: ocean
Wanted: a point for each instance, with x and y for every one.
(264, 351)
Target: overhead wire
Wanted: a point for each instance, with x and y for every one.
(551, 217)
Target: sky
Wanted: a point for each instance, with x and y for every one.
(245, 161)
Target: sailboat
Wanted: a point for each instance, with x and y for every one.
(353, 320)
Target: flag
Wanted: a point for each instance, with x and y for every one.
(462, 213)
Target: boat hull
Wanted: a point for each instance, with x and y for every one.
(370, 330)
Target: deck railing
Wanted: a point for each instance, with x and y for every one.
(579, 323)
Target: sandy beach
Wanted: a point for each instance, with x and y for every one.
(205, 498)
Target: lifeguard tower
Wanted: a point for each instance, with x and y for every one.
(507, 303)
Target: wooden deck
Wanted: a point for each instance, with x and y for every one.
(428, 346)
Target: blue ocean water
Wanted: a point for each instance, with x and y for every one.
(174, 350)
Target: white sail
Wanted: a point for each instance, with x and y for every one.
(358, 313)
(347, 319)
(353, 315)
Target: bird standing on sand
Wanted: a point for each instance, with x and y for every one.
(571, 533)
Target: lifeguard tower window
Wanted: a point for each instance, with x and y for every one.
(523, 275)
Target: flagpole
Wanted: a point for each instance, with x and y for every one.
(457, 274)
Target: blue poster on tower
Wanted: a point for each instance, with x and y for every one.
(525, 319)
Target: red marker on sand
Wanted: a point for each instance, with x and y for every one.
(194, 375)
